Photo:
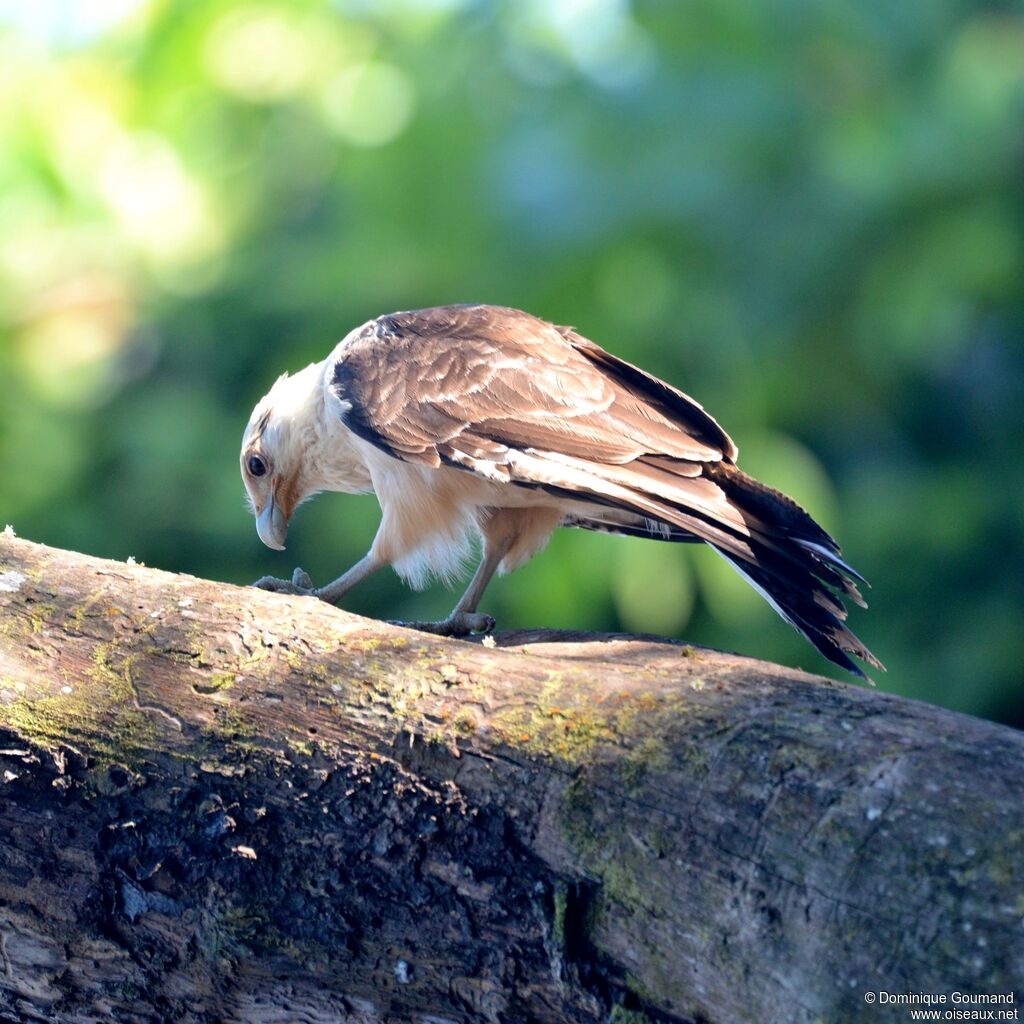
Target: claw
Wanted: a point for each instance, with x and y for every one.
(273, 584)
(297, 585)
(477, 623)
(300, 579)
(457, 624)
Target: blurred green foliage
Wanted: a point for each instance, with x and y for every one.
(808, 215)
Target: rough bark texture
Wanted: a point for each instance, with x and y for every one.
(224, 805)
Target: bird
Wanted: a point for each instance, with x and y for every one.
(485, 427)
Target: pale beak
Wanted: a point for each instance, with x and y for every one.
(272, 526)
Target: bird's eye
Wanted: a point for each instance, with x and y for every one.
(257, 467)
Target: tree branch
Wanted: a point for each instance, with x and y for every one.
(221, 804)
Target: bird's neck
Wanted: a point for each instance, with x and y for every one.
(333, 461)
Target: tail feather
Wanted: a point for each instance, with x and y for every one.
(840, 568)
(808, 611)
(765, 535)
(802, 586)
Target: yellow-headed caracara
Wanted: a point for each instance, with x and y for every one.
(471, 421)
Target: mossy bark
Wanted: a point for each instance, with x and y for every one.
(225, 805)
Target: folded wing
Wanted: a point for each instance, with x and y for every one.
(507, 396)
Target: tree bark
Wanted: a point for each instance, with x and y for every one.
(219, 804)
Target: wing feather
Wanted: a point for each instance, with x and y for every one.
(516, 400)
(412, 382)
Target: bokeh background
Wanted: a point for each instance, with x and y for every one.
(806, 213)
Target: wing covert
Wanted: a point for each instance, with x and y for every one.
(434, 385)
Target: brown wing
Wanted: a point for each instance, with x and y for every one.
(435, 385)
(517, 400)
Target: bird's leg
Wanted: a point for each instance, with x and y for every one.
(464, 618)
(332, 593)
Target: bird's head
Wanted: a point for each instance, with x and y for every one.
(278, 440)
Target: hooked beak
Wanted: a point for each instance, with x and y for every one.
(272, 526)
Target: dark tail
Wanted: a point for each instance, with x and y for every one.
(798, 567)
(766, 536)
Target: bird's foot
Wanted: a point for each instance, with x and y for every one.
(300, 584)
(457, 624)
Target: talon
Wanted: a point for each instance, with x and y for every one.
(478, 623)
(301, 579)
(273, 584)
(294, 586)
(457, 625)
